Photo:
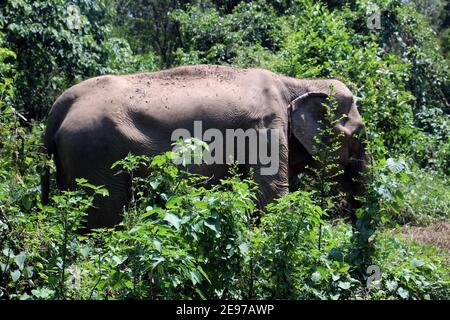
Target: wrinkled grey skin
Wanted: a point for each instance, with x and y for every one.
(100, 120)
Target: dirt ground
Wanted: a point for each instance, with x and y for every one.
(436, 234)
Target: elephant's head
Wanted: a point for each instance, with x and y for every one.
(308, 118)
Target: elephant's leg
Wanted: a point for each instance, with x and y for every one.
(270, 188)
(272, 183)
(62, 179)
(107, 211)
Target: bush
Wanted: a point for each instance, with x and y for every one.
(179, 240)
(238, 38)
(401, 193)
(427, 198)
(59, 43)
(122, 60)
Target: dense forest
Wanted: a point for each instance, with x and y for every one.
(179, 240)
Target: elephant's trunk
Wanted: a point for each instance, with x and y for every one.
(357, 170)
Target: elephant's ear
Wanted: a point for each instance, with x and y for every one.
(306, 113)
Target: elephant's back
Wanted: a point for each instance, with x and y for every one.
(206, 93)
(169, 96)
(207, 77)
(101, 112)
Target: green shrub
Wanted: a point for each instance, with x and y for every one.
(410, 271)
(239, 38)
(400, 192)
(59, 43)
(122, 60)
(426, 197)
(180, 240)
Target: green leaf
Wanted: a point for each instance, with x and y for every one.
(8, 253)
(244, 248)
(391, 285)
(157, 245)
(103, 192)
(335, 296)
(316, 277)
(403, 293)
(152, 211)
(158, 161)
(344, 285)
(118, 260)
(42, 293)
(195, 277)
(416, 263)
(200, 293)
(85, 250)
(20, 259)
(157, 261)
(201, 204)
(174, 202)
(154, 183)
(15, 275)
(335, 276)
(396, 165)
(212, 224)
(173, 220)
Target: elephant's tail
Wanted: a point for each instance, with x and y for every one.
(45, 180)
(56, 116)
(47, 150)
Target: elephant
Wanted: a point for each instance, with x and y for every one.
(100, 120)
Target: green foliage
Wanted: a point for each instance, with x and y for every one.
(425, 197)
(20, 160)
(287, 235)
(401, 193)
(382, 198)
(180, 240)
(407, 35)
(327, 145)
(58, 43)
(240, 38)
(148, 28)
(321, 181)
(207, 228)
(122, 60)
(41, 270)
(410, 271)
(6, 74)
